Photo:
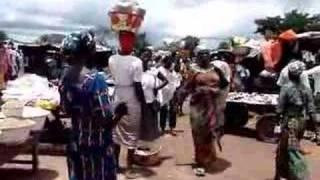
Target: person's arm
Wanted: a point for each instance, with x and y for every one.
(186, 89)
(282, 77)
(120, 111)
(115, 121)
(139, 92)
(163, 79)
(137, 78)
(282, 101)
(305, 80)
(223, 81)
(112, 121)
(310, 103)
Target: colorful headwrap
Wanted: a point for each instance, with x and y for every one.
(127, 41)
(296, 68)
(78, 43)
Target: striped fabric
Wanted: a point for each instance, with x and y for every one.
(90, 151)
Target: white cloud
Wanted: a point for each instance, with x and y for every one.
(164, 17)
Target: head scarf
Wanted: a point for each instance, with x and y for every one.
(202, 49)
(78, 43)
(296, 68)
(127, 41)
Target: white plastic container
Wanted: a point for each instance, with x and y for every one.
(13, 108)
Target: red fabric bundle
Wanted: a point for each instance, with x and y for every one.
(272, 54)
(288, 35)
(126, 40)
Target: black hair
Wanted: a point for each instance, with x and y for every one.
(166, 59)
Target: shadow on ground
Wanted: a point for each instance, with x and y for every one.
(242, 132)
(219, 166)
(19, 174)
(144, 172)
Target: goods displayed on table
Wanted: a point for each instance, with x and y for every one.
(16, 115)
(253, 98)
(16, 112)
(14, 123)
(126, 15)
(32, 89)
(13, 108)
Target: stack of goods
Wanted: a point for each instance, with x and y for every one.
(13, 108)
(13, 123)
(12, 116)
(127, 16)
(253, 98)
(32, 89)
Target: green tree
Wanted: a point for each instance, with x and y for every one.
(3, 36)
(268, 23)
(191, 42)
(296, 20)
(141, 41)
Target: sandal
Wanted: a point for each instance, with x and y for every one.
(200, 172)
(131, 174)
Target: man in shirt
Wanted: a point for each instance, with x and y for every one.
(168, 110)
(284, 77)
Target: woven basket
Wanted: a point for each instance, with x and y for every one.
(147, 159)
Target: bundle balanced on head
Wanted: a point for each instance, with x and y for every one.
(127, 70)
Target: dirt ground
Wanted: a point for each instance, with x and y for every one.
(243, 158)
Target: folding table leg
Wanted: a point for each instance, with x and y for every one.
(35, 157)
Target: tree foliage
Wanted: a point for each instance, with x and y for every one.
(269, 23)
(191, 42)
(3, 36)
(298, 21)
(141, 42)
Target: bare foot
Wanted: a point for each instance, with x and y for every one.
(305, 151)
(173, 132)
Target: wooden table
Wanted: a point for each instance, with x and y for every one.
(17, 141)
(264, 108)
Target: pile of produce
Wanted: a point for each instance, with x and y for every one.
(253, 98)
(32, 89)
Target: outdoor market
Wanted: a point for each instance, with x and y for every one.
(105, 103)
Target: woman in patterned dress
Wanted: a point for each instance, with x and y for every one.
(295, 102)
(4, 65)
(205, 86)
(90, 153)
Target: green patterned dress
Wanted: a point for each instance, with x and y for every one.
(295, 102)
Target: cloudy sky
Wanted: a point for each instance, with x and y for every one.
(175, 18)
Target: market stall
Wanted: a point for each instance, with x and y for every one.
(23, 115)
(263, 105)
(21, 135)
(36, 56)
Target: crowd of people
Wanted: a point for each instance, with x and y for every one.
(11, 64)
(150, 89)
(149, 92)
